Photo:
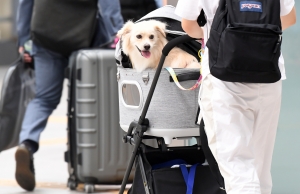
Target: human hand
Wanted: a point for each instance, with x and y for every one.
(26, 57)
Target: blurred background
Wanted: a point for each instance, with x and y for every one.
(49, 161)
(8, 34)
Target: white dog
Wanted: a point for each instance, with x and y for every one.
(143, 43)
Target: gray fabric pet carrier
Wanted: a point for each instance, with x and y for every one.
(172, 112)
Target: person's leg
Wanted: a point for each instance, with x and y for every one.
(229, 119)
(49, 73)
(265, 129)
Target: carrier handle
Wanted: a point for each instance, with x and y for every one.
(174, 78)
(186, 76)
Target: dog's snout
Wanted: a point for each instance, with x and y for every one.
(147, 46)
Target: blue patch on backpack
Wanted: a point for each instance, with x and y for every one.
(253, 6)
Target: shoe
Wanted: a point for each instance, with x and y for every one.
(24, 168)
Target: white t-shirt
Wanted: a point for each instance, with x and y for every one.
(190, 10)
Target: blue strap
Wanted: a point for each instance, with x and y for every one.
(168, 164)
(185, 173)
(189, 177)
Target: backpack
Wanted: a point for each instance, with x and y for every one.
(64, 26)
(245, 41)
(134, 10)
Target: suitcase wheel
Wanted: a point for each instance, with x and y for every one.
(89, 188)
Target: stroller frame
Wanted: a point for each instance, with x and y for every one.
(135, 133)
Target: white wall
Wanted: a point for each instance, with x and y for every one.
(5, 19)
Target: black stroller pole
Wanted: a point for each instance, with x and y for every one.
(137, 142)
(143, 123)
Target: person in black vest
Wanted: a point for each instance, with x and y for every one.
(49, 72)
(134, 10)
(240, 118)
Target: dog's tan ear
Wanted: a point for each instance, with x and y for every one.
(161, 28)
(125, 29)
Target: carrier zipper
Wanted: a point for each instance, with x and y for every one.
(278, 43)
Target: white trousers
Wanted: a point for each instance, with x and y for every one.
(241, 122)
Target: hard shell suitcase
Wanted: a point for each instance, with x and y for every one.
(95, 153)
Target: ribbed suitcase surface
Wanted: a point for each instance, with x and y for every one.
(102, 157)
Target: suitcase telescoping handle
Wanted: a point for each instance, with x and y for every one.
(168, 47)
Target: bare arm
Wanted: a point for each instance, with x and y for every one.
(289, 19)
(165, 2)
(192, 28)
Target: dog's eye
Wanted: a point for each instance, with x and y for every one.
(151, 36)
(139, 36)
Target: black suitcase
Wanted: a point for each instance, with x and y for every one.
(18, 89)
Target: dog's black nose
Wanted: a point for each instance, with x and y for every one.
(147, 46)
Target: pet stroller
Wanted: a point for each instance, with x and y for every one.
(172, 114)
